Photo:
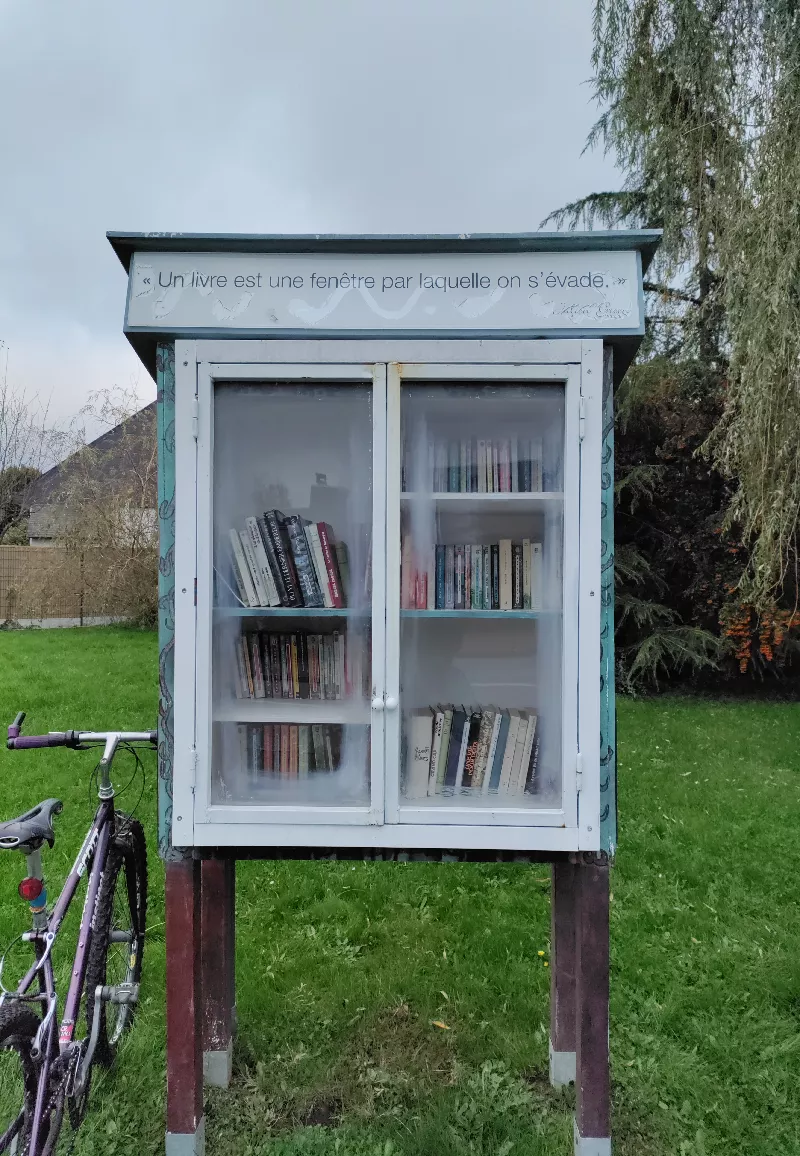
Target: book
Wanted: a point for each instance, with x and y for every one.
(440, 564)
(303, 750)
(272, 561)
(526, 573)
(449, 578)
(527, 751)
(487, 577)
(256, 667)
(447, 726)
(343, 562)
(303, 563)
(504, 549)
(536, 575)
(418, 753)
(509, 750)
(241, 571)
(487, 721)
(273, 519)
(495, 556)
(468, 734)
(436, 747)
(312, 536)
(459, 726)
(494, 761)
(263, 569)
(326, 539)
(516, 575)
(252, 567)
(516, 766)
(481, 466)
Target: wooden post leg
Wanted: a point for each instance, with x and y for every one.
(218, 923)
(185, 1119)
(562, 975)
(593, 1077)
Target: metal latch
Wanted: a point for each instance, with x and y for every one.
(196, 418)
(581, 418)
(578, 772)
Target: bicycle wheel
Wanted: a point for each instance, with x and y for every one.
(18, 1077)
(115, 955)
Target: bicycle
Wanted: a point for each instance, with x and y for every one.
(56, 1065)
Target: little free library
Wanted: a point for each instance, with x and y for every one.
(386, 585)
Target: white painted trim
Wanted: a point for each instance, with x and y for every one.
(378, 719)
(296, 371)
(455, 816)
(393, 487)
(590, 1145)
(571, 553)
(563, 1067)
(186, 1143)
(590, 596)
(392, 835)
(218, 1067)
(289, 351)
(205, 589)
(437, 371)
(185, 611)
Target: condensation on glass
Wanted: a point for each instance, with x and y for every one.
(482, 516)
(292, 507)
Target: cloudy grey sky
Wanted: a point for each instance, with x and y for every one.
(264, 116)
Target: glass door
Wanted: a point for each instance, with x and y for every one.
(482, 589)
(291, 507)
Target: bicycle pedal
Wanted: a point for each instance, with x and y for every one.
(123, 993)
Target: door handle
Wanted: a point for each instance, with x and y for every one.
(377, 703)
(391, 702)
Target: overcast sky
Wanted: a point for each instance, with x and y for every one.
(264, 116)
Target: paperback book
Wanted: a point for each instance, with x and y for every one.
(288, 561)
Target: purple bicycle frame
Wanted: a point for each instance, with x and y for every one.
(95, 850)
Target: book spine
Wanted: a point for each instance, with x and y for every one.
(302, 751)
(343, 562)
(436, 749)
(510, 749)
(505, 573)
(266, 664)
(238, 567)
(525, 465)
(256, 667)
(452, 467)
(303, 563)
(497, 761)
(491, 754)
(467, 577)
(516, 576)
(458, 561)
(330, 565)
(481, 465)
(272, 560)
(462, 467)
(283, 556)
(462, 755)
(447, 727)
(487, 578)
(302, 666)
(454, 751)
(536, 575)
(537, 469)
(262, 563)
(248, 670)
(250, 598)
(450, 577)
(526, 574)
(440, 564)
(495, 577)
(487, 719)
(312, 535)
(252, 566)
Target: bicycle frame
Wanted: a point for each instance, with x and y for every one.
(54, 1040)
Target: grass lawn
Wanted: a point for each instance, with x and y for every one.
(343, 969)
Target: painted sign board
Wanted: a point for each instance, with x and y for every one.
(541, 291)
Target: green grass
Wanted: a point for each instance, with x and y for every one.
(343, 968)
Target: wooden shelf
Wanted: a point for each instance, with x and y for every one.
(293, 710)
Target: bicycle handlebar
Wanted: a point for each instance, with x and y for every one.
(76, 740)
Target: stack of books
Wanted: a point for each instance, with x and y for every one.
(457, 750)
(299, 665)
(289, 751)
(506, 575)
(508, 465)
(280, 561)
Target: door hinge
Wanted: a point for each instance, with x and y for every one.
(195, 417)
(578, 772)
(581, 418)
(193, 768)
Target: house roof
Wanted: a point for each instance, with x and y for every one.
(45, 494)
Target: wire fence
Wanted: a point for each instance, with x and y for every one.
(43, 582)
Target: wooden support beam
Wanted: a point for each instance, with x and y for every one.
(218, 927)
(562, 974)
(185, 1119)
(593, 1077)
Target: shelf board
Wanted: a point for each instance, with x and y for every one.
(292, 710)
(289, 612)
(479, 613)
(518, 502)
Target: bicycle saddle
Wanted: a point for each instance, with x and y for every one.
(29, 831)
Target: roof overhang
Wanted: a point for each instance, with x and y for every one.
(625, 341)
